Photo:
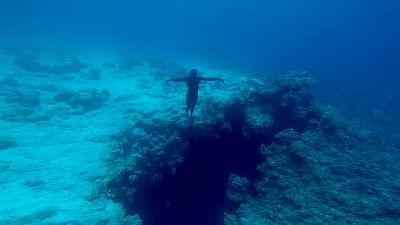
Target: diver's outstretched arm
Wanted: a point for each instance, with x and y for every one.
(176, 79)
(212, 79)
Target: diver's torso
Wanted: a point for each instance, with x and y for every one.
(193, 84)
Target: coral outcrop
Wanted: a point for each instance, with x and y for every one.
(269, 155)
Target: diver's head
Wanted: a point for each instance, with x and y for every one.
(193, 72)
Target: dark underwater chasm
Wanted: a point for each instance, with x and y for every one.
(196, 193)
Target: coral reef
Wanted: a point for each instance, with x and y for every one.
(275, 156)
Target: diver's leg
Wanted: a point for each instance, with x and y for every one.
(191, 100)
(192, 110)
(188, 103)
(193, 104)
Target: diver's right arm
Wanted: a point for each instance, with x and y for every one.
(176, 79)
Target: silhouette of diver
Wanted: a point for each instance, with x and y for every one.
(192, 83)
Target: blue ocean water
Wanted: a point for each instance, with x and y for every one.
(74, 72)
(337, 38)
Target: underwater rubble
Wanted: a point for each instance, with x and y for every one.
(271, 154)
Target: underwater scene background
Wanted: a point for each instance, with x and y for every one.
(303, 129)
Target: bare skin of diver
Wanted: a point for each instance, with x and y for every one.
(193, 82)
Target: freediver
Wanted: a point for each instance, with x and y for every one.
(192, 83)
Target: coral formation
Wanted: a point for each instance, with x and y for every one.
(274, 156)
